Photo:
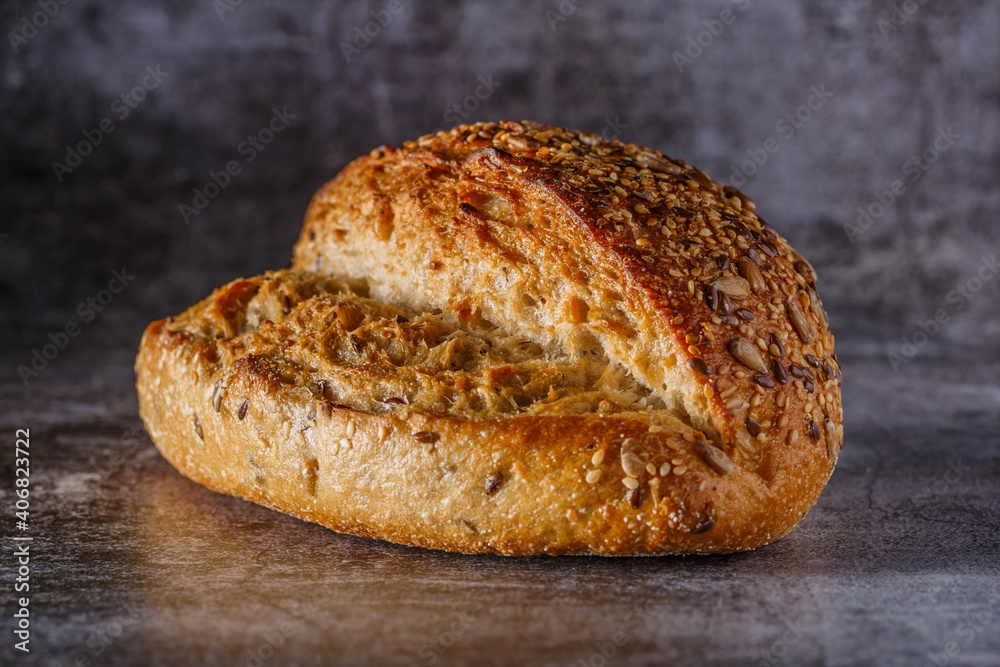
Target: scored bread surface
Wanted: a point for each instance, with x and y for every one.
(518, 339)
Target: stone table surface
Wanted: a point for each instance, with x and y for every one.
(133, 564)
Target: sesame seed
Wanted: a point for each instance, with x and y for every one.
(593, 476)
(630, 482)
(664, 469)
(598, 457)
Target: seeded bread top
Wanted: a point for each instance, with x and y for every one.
(595, 246)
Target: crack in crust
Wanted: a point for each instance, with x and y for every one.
(377, 358)
(580, 244)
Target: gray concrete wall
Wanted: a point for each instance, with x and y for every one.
(881, 93)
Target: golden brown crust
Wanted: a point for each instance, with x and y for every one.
(593, 252)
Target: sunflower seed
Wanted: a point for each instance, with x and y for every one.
(752, 275)
(734, 286)
(715, 457)
(217, 396)
(817, 309)
(832, 439)
(746, 353)
(656, 163)
(633, 458)
(800, 323)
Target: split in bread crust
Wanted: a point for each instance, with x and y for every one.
(517, 339)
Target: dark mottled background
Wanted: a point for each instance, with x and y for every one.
(606, 65)
(889, 566)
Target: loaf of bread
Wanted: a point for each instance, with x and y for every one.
(517, 339)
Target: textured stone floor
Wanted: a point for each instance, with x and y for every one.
(133, 564)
